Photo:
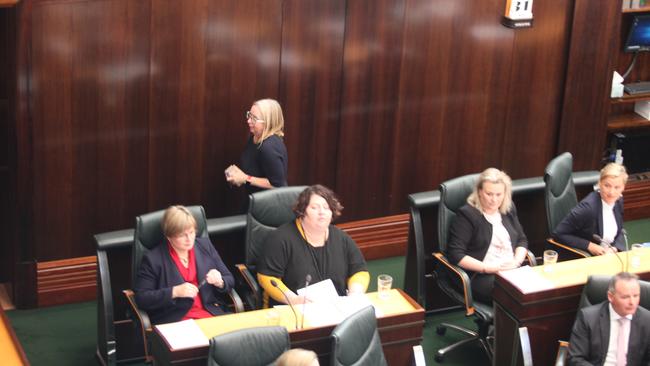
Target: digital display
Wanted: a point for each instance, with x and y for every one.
(639, 37)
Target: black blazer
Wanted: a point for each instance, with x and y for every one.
(158, 274)
(586, 219)
(470, 233)
(590, 337)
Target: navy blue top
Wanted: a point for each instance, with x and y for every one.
(585, 220)
(265, 160)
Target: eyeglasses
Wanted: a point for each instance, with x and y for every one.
(186, 234)
(252, 117)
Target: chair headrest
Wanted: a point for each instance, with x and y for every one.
(558, 174)
(453, 195)
(595, 291)
(252, 346)
(274, 207)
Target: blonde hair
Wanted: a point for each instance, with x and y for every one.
(271, 114)
(495, 176)
(614, 170)
(176, 220)
(297, 357)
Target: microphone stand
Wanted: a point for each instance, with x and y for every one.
(603, 243)
(307, 281)
(627, 249)
(275, 284)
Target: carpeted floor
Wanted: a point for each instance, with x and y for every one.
(66, 335)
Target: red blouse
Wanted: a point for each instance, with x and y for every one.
(197, 311)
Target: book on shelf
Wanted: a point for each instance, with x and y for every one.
(634, 4)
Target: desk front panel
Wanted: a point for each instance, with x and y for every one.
(400, 328)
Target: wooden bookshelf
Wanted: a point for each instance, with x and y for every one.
(626, 121)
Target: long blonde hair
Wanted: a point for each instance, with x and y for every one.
(271, 114)
(495, 176)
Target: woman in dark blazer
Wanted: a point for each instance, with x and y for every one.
(599, 213)
(486, 236)
(183, 278)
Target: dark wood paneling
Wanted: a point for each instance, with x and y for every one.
(7, 99)
(592, 53)
(89, 82)
(370, 94)
(534, 91)
(310, 87)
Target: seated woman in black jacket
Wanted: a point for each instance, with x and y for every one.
(486, 236)
(599, 214)
(184, 277)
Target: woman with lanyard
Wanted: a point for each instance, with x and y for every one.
(311, 248)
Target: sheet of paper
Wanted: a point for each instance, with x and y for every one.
(527, 280)
(183, 334)
(322, 291)
(334, 310)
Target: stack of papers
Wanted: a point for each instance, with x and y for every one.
(183, 334)
(327, 307)
(527, 280)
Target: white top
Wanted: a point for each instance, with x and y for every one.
(610, 360)
(500, 250)
(609, 223)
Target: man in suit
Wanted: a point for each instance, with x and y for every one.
(615, 332)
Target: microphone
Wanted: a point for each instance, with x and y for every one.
(275, 284)
(627, 248)
(307, 281)
(604, 243)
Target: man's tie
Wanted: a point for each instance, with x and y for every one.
(621, 346)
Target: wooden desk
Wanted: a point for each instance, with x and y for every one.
(549, 314)
(400, 328)
(11, 350)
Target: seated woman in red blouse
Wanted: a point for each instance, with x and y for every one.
(183, 278)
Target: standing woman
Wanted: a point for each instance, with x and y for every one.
(486, 236)
(599, 213)
(264, 160)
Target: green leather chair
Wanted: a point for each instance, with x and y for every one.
(595, 291)
(560, 198)
(267, 210)
(356, 341)
(259, 346)
(452, 279)
(148, 234)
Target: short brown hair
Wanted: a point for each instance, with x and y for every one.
(621, 276)
(177, 219)
(319, 190)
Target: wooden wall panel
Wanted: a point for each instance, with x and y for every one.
(89, 80)
(310, 87)
(592, 53)
(534, 96)
(370, 94)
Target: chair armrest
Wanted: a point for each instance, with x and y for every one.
(141, 319)
(459, 279)
(530, 258)
(254, 300)
(562, 353)
(237, 304)
(573, 252)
